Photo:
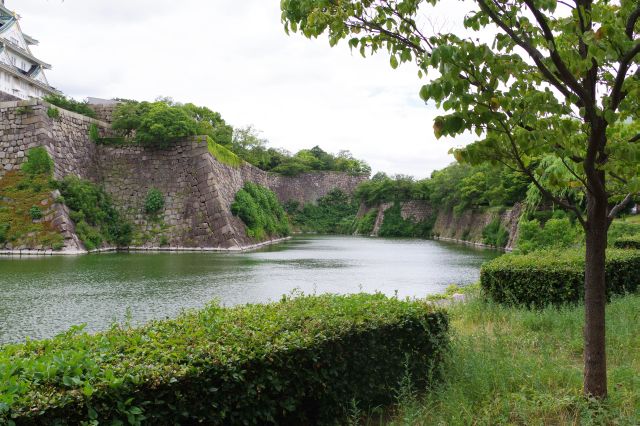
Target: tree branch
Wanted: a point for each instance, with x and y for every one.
(636, 138)
(617, 95)
(631, 23)
(531, 51)
(524, 169)
(553, 52)
(580, 179)
(614, 211)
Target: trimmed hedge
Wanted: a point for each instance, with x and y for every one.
(554, 277)
(632, 242)
(298, 361)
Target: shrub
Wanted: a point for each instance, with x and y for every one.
(38, 162)
(70, 104)
(4, 230)
(154, 202)
(367, 222)
(631, 242)
(494, 234)
(261, 212)
(23, 110)
(554, 277)
(96, 218)
(299, 361)
(94, 133)
(332, 214)
(394, 225)
(35, 212)
(53, 112)
(621, 229)
(556, 233)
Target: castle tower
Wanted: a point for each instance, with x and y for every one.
(21, 74)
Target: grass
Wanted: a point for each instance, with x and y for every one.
(222, 154)
(521, 367)
(20, 195)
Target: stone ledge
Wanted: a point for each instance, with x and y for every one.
(21, 253)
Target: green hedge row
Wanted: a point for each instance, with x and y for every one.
(632, 242)
(554, 277)
(298, 361)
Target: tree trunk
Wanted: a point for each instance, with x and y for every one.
(595, 360)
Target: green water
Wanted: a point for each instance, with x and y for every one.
(41, 297)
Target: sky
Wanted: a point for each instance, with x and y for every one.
(235, 58)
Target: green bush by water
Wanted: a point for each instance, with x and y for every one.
(260, 210)
(394, 225)
(365, 225)
(332, 214)
(97, 220)
(554, 277)
(299, 361)
(495, 234)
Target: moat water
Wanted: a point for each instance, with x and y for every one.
(41, 297)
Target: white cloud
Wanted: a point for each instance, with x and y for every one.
(234, 57)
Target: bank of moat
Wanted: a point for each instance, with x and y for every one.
(198, 189)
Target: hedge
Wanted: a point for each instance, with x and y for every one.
(299, 361)
(554, 277)
(630, 242)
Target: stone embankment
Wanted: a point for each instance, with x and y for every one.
(465, 228)
(197, 188)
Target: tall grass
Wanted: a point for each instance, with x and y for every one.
(523, 367)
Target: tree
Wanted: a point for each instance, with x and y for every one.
(560, 78)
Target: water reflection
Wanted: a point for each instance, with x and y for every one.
(40, 297)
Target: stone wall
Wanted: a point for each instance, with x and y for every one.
(5, 97)
(25, 125)
(195, 214)
(309, 187)
(469, 225)
(466, 227)
(416, 211)
(198, 189)
(104, 112)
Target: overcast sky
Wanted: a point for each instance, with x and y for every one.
(234, 57)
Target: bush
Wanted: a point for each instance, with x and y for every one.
(621, 229)
(554, 277)
(332, 214)
(367, 222)
(94, 133)
(632, 242)
(53, 112)
(96, 218)
(38, 162)
(556, 233)
(154, 202)
(35, 212)
(70, 105)
(4, 230)
(494, 234)
(394, 225)
(261, 212)
(299, 361)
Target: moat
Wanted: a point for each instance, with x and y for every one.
(44, 296)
